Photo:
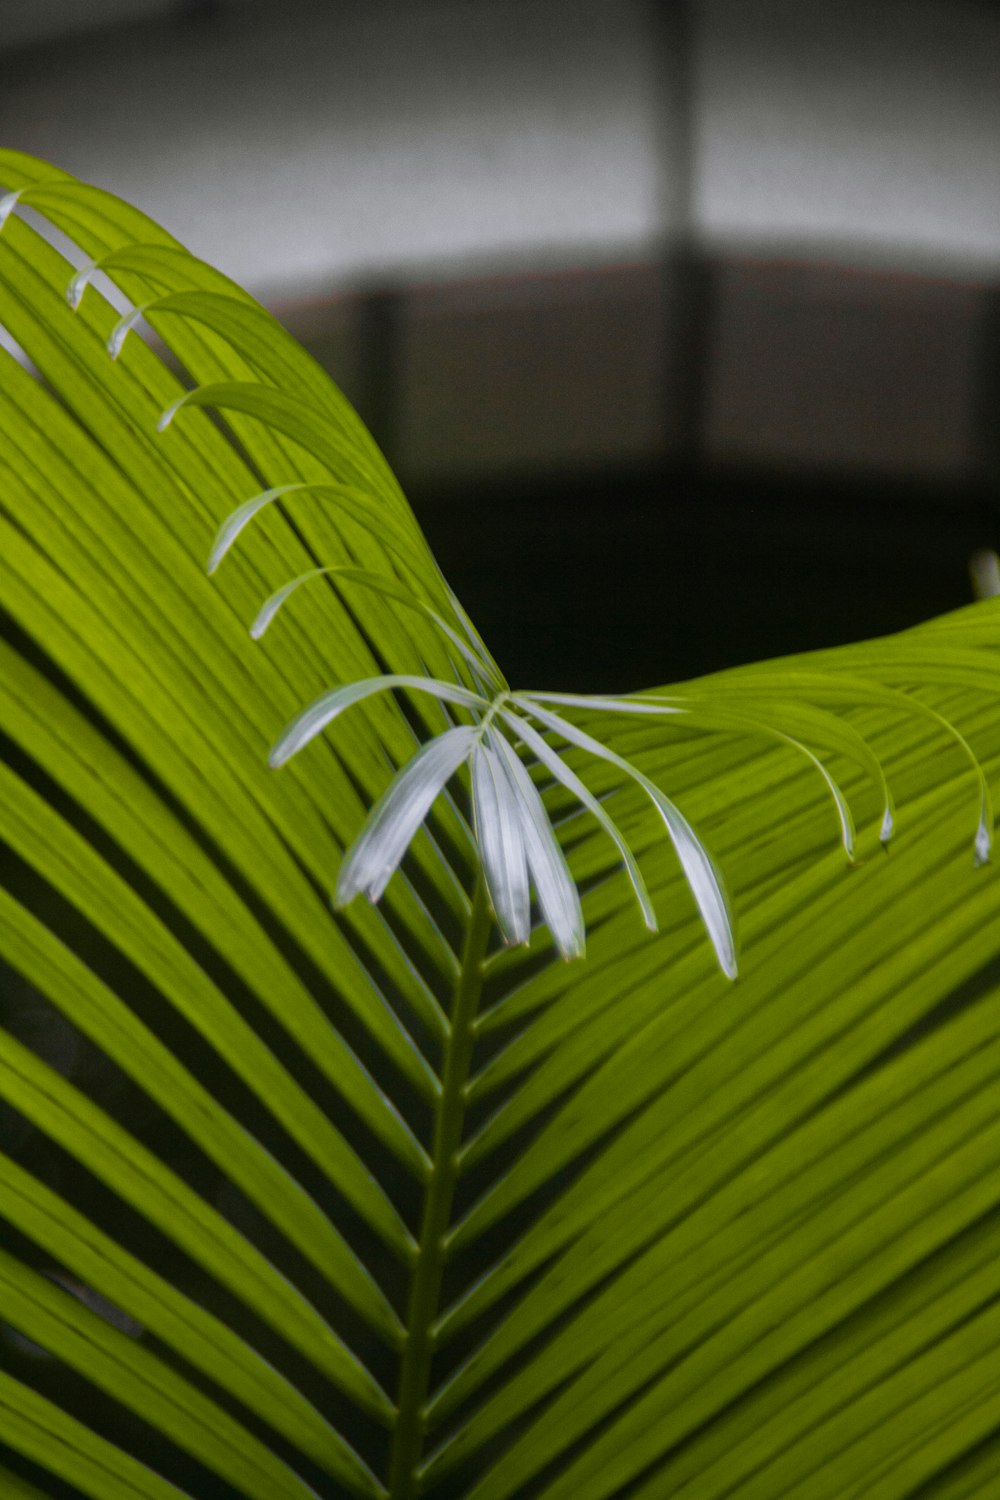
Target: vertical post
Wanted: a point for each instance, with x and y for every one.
(379, 333)
(986, 416)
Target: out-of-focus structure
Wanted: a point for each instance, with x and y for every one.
(682, 316)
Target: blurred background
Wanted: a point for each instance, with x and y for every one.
(679, 321)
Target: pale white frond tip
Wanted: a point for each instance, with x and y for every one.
(271, 605)
(983, 843)
(121, 330)
(268, 610)
(8, 203)
(239, 519)
(78, 284)
(234, 524)
(168, 416)
(324, 709)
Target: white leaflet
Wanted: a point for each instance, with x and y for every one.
(312, 720)
(80, 279)
(706, 885)
(122, 328)
(984, 835)
(847, 830)
(391, 588)
(240, 517)
(501, 842)
(270, 607)
(561, 771)
(399, 812)
(789, 724)
(554, 885)
(661, 707)
(846, 688)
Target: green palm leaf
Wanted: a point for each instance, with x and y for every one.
(368, 1201)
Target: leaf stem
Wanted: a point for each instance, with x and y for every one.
(425, 1290)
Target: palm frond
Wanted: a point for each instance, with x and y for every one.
(387, 1200)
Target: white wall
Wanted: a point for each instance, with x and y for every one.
(867, 127)
(305, 145)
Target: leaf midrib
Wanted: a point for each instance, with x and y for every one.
(425, 1288)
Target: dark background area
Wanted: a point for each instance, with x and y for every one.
(638, 474)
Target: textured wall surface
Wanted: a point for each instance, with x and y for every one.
(302, 144)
